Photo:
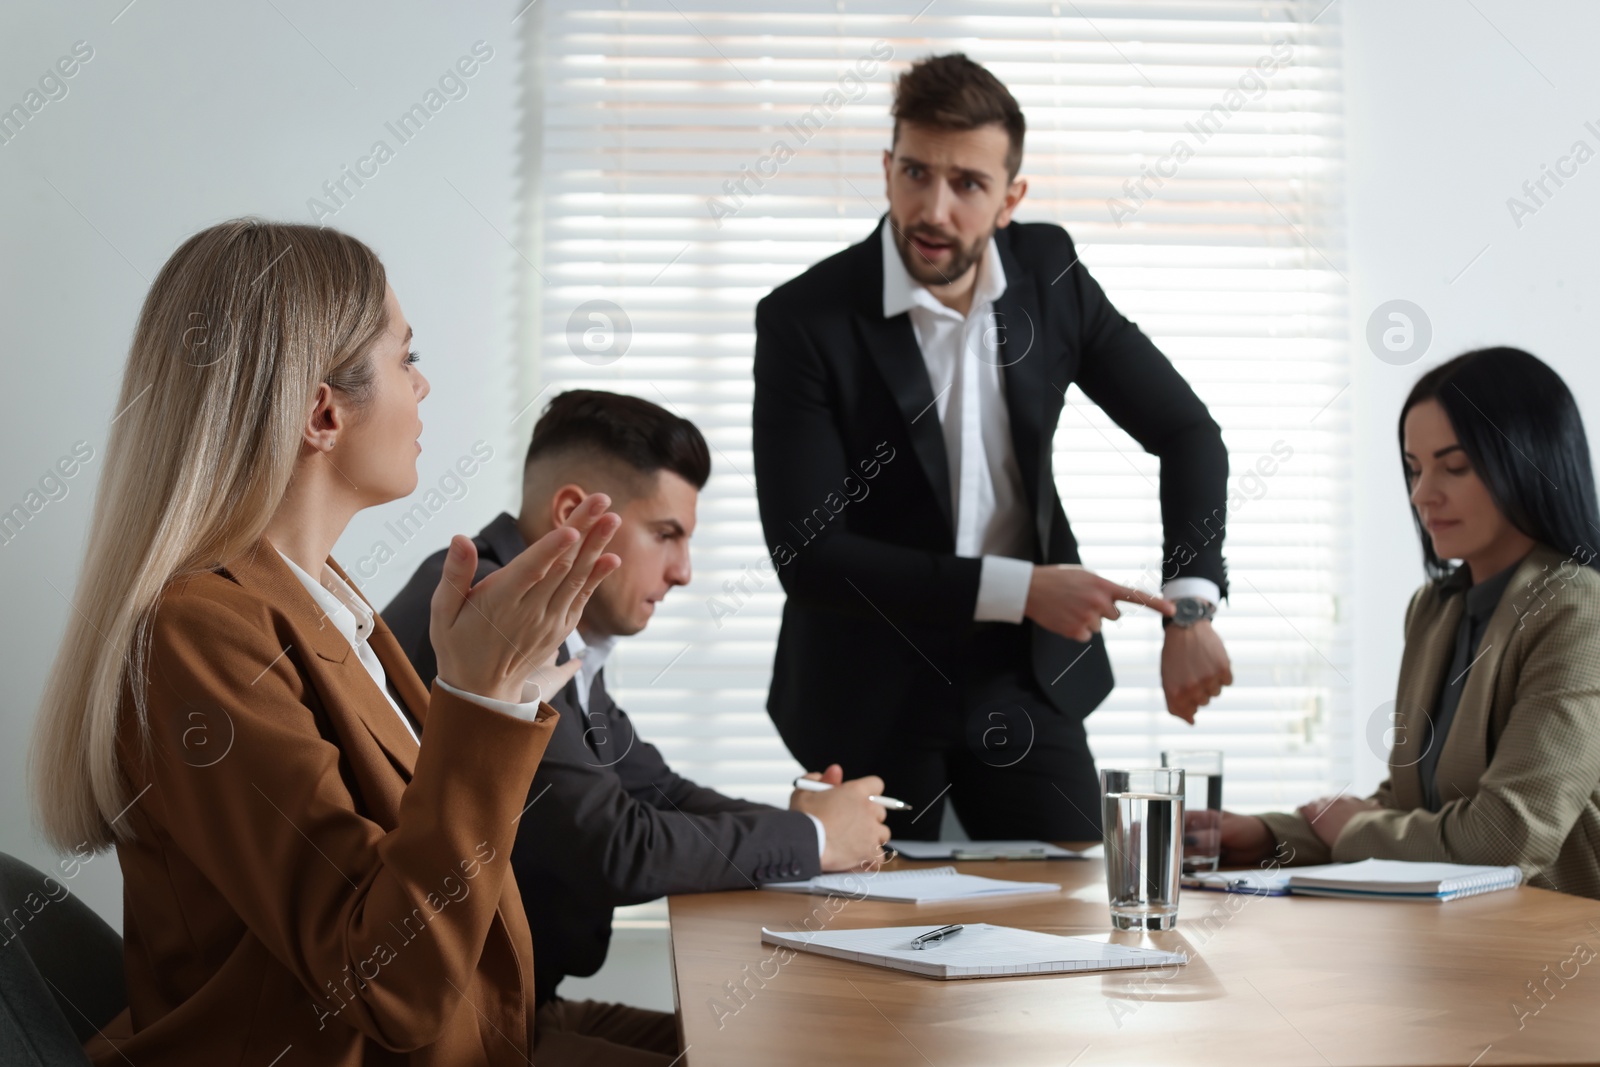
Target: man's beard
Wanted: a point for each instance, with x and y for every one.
(961, 260)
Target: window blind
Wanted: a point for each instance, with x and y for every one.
(1193, 150)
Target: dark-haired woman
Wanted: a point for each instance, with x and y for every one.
(1496, 754)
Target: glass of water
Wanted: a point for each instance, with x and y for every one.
(1202, 807)
(1143, 813)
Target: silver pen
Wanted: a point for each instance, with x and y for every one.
(933, 937)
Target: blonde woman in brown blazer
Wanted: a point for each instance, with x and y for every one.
(303, 882)
(1495, 755)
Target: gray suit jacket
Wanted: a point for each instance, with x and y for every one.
(1519, 773)
(608, 822)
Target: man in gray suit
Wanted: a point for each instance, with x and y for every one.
(609, 823)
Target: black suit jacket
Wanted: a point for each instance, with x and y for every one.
(608, 822)
(853, 481)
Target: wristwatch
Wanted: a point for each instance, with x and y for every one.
(1191, 609)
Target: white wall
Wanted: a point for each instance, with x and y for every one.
(1448, 113)
(191, 113)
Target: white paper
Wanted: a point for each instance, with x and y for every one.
(979, 950)
(915, 886)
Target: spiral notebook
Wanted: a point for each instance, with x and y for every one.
(978, 951)
(1365, 880)
(913, 886)
(1403, 880)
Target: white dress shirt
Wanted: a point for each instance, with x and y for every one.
(991, 508)
(349, 614)
(592, 655)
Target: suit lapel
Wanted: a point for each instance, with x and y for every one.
(1024, 367)
(1421, 677)
(892, 346)
(566, 702)
(1466, 756)
(398, 669)
(605, 730)
(376, 714)
(343, 682)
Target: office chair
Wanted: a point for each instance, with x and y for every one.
(60, 970)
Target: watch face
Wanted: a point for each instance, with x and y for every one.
(1190, 610)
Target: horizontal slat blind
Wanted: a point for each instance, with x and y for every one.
(661, 194)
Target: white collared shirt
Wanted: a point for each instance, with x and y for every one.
(991, 507)
(349, 614)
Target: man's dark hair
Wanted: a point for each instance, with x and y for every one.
(954, 93)
(638, 435)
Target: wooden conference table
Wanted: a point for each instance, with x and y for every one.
(1270, 981)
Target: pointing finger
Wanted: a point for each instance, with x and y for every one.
(1139, 596)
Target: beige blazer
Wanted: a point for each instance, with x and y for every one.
(1532, 698)
(304, 882)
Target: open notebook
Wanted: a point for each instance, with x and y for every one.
(978, 951)
(1366, 879)
(913, 886)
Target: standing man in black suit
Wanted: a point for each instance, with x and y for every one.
(939, 630)
(608, 821)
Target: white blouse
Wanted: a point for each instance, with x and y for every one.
(343, 607)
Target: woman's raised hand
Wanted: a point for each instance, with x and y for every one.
(490, 637)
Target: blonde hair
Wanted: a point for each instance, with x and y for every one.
(243, 323)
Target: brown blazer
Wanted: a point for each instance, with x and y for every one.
(302, 876)
(1519, 774)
